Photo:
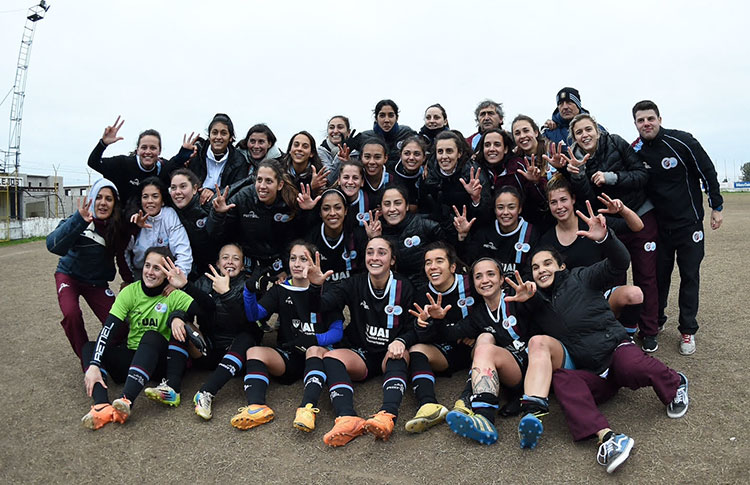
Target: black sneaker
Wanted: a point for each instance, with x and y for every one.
(679, 405)
(649, 343)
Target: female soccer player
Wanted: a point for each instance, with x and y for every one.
(87, 243)
(158, 225)
(583, 350)
(154, 323)
(303, 332)
(375, 341)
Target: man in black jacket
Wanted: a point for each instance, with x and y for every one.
(677, 164)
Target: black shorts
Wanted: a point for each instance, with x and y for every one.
(294, 364)
(457, 355)
(373, 361)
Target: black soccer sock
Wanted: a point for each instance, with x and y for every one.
(339, 387)
(422, 378)
(539, 406)
(630, 315)
(485, 404)
(256, 381)
(99, 392)
(177, 356)
(467, 391)
(144, 363)
(315, 377)
(231, 365)
(394, 385)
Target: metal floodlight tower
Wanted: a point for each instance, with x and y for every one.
(35, 14)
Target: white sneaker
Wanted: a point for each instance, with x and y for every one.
(687, 345)
(202, 402)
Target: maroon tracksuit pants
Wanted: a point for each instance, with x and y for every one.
(69, 291)
(579, 391)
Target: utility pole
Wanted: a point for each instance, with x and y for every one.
(57, 195)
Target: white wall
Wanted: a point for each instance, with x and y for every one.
(34, 226)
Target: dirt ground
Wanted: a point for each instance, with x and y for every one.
(42, 401)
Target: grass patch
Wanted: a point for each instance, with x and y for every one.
(21, 241)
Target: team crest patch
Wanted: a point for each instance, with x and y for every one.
(649, 246)
(277, 265)
(523, 247)
(464, 302)
(201, 223)
(363, 216)
(161, 307)
(280, 217)
(668, 163)
(412, 241)
(393, 310)
(698, 236)
(109, 292)
(509, 322)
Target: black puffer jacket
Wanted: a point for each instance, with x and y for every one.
(236, 167)
(574, 311)
(194, 218)
(438, 193)
(411, 236)
(223, 315)
(394, 139)
(616, 156)
(263, 231)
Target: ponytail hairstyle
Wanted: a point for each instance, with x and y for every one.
(149, 132)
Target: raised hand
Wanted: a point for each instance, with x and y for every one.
(319, 179)
(314, 274)
(555, 157)
(175, 275)
(597, 225)
(373, 226)
(85, 209)
(220, 202)
(140, 219)
(550, 125)
(421, 315)
(220, 280)
(435, 308)
(611, 206)
(462, 225)
(110, 133)
(473, 187)
(344, 152)
(524, 289)
(530, 171)
(575, 165)
(304, 200)
(188, 142)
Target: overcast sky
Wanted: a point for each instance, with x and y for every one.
(170, 65)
